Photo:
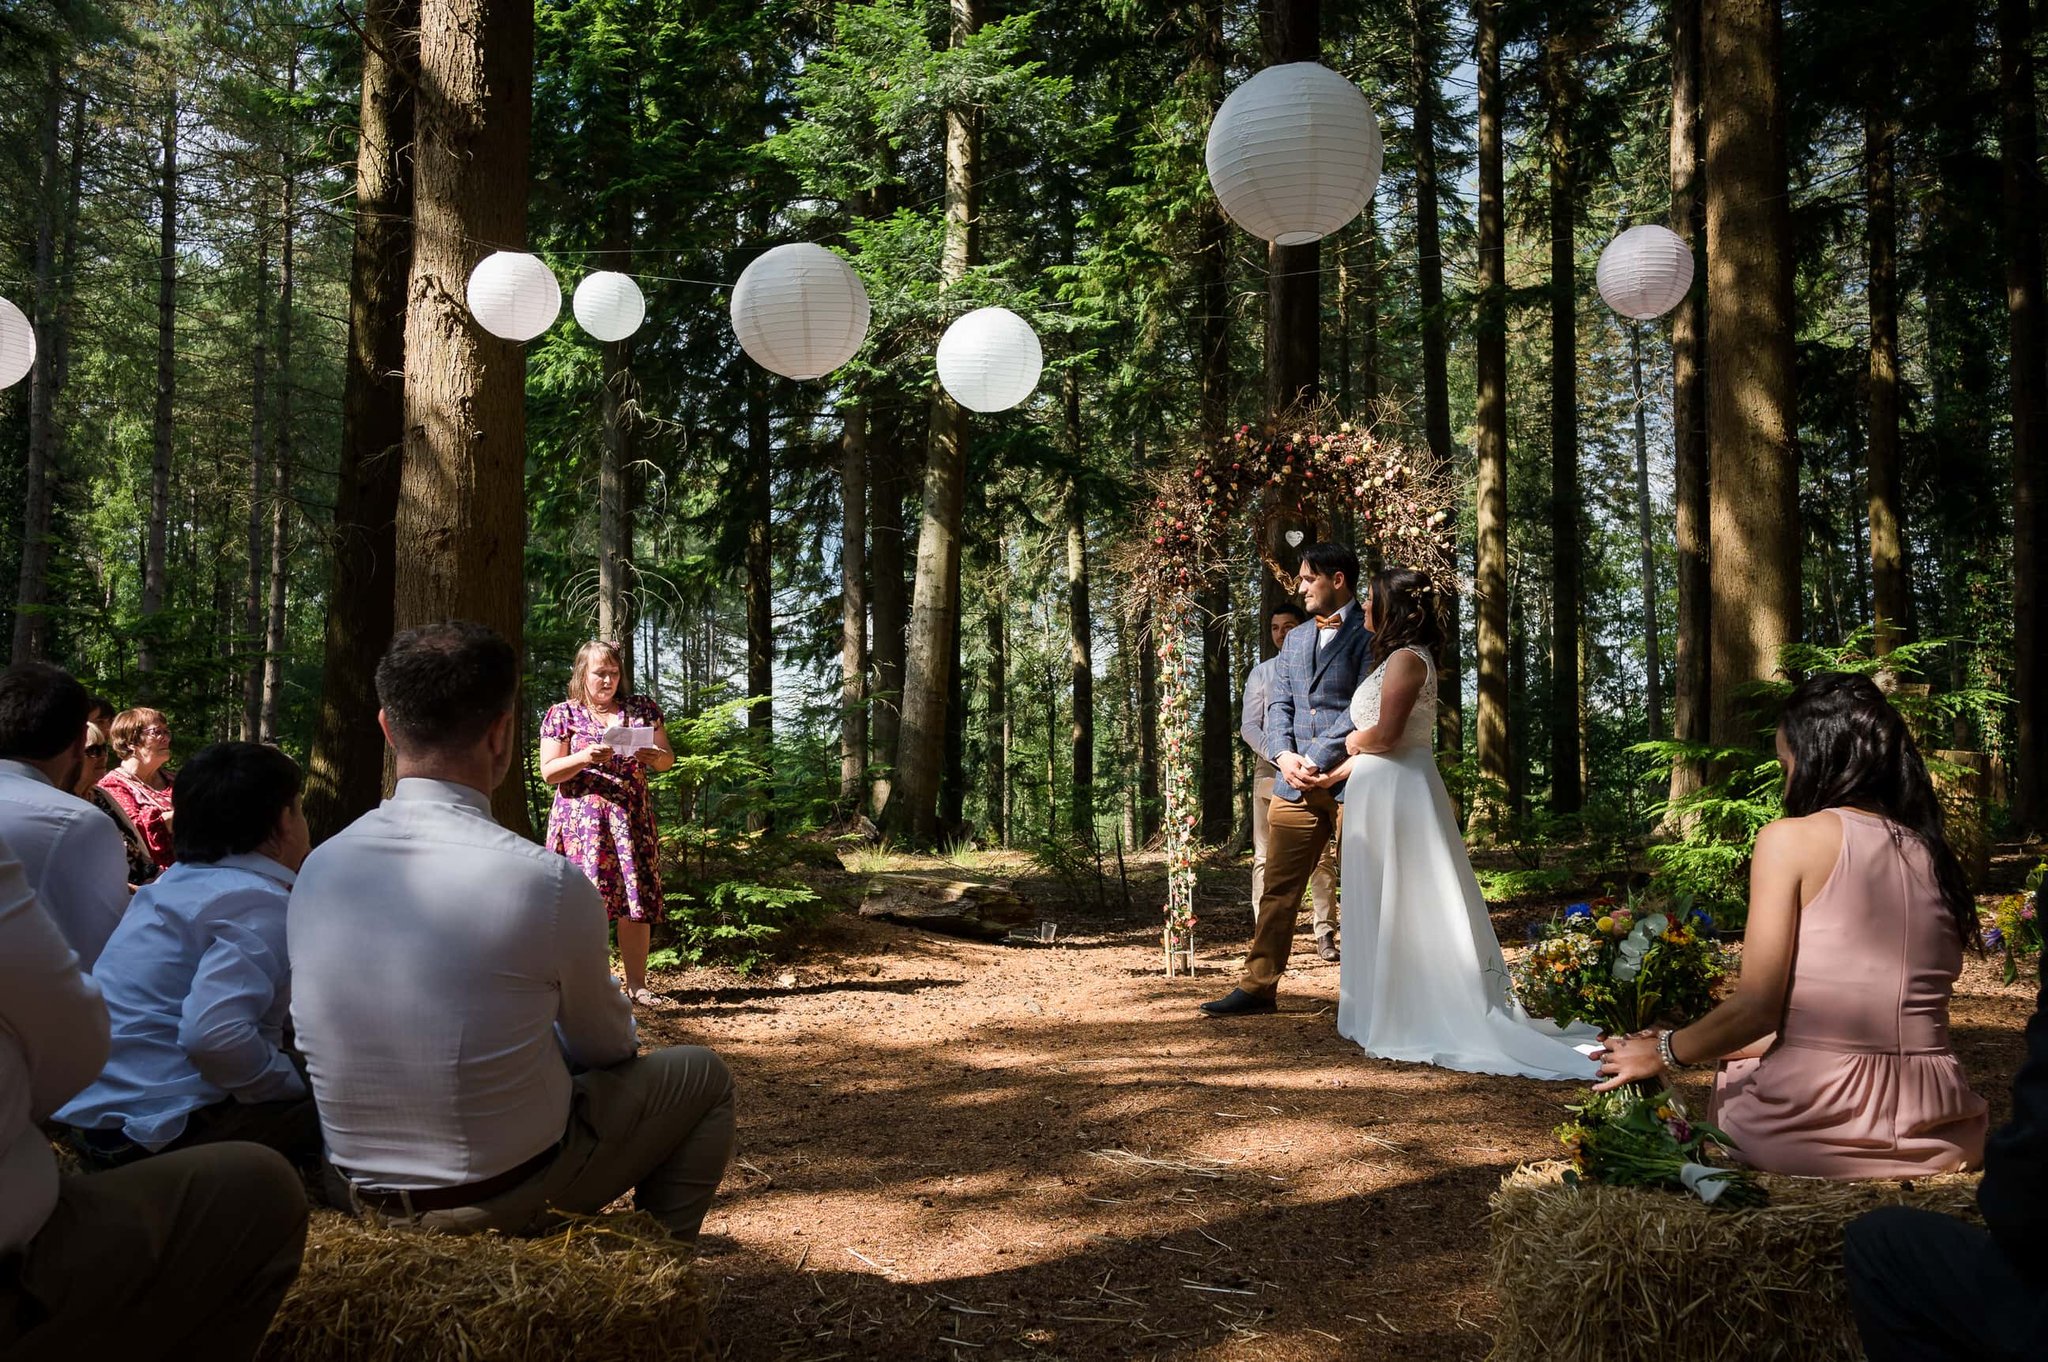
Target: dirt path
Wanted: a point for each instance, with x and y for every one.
(979, 1151)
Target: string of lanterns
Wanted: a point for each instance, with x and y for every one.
(1293, 155)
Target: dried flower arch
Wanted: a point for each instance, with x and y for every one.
(1398, 503)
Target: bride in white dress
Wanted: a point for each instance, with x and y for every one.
(1422, 977)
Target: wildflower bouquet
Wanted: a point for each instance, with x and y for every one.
(1632, 1137)
(1620, 968)
(2015, 926)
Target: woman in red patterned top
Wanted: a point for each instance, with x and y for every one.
(603, 817)
(140, 787)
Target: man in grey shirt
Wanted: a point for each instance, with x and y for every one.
(473, 1061)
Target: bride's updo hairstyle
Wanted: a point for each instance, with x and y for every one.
(1850, 748)
(1404, 614)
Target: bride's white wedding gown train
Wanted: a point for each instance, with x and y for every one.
(1422, 977)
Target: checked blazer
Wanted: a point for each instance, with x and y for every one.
(1309, 712)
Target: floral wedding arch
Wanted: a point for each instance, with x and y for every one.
(1259, 494)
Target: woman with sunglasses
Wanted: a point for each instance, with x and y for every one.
(140, 787)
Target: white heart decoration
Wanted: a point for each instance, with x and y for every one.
(1294, 538)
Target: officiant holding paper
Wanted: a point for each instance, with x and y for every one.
(596, 749)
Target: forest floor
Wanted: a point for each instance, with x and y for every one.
(952, 1149)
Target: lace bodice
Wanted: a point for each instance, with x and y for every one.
(1421, 729)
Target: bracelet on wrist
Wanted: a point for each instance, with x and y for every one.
(1664, 1052)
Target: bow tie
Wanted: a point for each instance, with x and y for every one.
(1329, 621)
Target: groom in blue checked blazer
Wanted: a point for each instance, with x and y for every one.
(1307, 720)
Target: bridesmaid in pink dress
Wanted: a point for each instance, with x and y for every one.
(1834, 1049)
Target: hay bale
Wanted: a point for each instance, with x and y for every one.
(1610, 1274)
(615, 1286)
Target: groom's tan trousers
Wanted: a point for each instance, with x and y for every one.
(1298, 832)
(1322, 884)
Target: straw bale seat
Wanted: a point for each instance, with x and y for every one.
(613, 1287)
(1612, 1274)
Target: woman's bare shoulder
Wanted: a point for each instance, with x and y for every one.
(1810, 841)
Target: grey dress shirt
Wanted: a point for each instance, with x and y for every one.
(53, 1039)
(72, 854)
(442, 969)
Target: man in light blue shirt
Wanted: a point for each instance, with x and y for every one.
(197, 980)
(70, 851)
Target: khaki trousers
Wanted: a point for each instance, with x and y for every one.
(1322, 884)
(1298, 834)
(660, 1126)
(184, 1255)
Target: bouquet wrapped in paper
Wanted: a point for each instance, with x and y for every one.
(1621, 968)
(1635, 1137)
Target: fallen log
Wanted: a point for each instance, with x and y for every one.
(934, 903)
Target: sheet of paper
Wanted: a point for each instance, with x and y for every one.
(623, 738)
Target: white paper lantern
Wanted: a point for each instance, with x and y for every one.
(800, 311)
(514, 295)
(17, 345)
(990, 359)
(1645, 272)
(1294, 153)
(609, 305)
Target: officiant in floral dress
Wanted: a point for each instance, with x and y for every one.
(603, 816)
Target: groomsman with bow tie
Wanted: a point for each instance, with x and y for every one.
(1307, 719)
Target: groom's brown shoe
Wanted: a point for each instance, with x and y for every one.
(1240, 1004)
(1326, 945)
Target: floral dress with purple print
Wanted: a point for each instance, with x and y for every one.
(603, 818)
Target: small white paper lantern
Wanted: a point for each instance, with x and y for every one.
(514, 295)
(990, 359)
(1645, 272)
(609, 305)
(17, 345)
(800, 311)
(1294, 153)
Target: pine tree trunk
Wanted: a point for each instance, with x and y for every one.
(1491, 440)
(1892, 593)
(760, 585)
(853, 608)
(247, 647)
(1292, 32)
(31, 623)
(1219, 713)
(1560, 100)
(1689, 704)
(2027, 330)
(997, 623)
(1754, 527)
(1148, 728)
(1436, 384)
(1653, 639)
(885, 564)
(154, 576)
(461, 527)
(935, 600)
(619, 412)
(1080, 640)
(281, 462)
(346, 772)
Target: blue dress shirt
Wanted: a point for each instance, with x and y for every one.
(198, 985)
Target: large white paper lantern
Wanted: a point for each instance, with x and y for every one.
(1294, 153)
(609, 305)
(990, 359)
(17, 345)
(800, 311)
(1645, 272)
(514, 295)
